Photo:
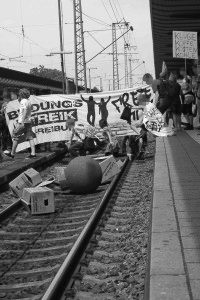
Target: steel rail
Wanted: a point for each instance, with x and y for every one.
(71, 262)
(10, 210)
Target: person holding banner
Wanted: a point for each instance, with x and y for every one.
(91, 109)
(24, 125)
(103, 108)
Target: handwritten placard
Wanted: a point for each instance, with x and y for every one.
(185, 44)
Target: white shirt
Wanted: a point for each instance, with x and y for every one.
(24, 111)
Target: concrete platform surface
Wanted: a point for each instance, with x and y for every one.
(175, 233)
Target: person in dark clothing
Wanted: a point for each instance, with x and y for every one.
(6, 140)
(91, 109)
(176, 102)
(103, 108)
(165, 100)
(188, 98)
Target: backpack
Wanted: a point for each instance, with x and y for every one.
(168, 88)
(163, 89)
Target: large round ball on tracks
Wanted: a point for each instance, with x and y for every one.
(83, 175)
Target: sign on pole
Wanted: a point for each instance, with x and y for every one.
(185, 44)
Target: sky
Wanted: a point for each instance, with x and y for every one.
(29, 32)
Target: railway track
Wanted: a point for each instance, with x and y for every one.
(37, 251)
(115, 265)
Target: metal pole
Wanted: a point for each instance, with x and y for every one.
(90, 77)
(61, 49)
(90, 80)
(101, 84)
(131, 75)
(75, 50)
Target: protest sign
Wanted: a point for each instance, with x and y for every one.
(185, 45)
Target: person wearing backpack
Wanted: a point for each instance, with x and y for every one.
(188, 98)
(165, 99)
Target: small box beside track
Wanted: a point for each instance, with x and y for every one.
(108, 166)
(38, 200)
(29, 178)
(60, 177)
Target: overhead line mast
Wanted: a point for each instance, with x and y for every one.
(80, 64)
(115, 59)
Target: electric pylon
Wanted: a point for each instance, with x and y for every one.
(130, 74)
(80, 65)
(126, 46)
(115, 59)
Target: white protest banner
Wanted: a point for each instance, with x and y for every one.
(185, 44)
(50, 113)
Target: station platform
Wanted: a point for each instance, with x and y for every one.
(175, 234)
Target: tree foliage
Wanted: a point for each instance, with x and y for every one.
(47, 73)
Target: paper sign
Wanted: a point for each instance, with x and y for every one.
(185, 44)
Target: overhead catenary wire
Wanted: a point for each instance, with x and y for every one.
(95, 19)
(115, 12)
(95, 39)
(107, 11)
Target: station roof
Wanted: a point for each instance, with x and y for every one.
(12, 78)
(168, 16)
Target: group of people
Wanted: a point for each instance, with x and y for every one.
(81, 141)
(174, 98)
(134, 145)
(171, 98)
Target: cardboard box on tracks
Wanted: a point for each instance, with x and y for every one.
(38, 200)
(29, 178)
(108, 166)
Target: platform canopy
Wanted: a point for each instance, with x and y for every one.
(168, 16)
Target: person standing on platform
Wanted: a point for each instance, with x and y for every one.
(188, 98)
(176, 102)
(5, 134)
(24, 125)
